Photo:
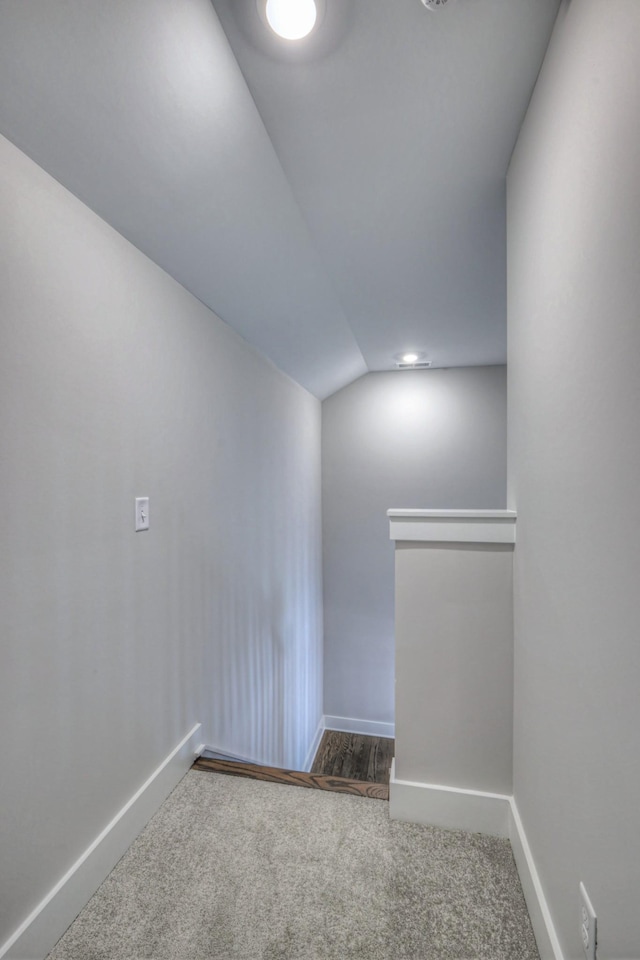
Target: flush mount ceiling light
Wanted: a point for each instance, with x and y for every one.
(411, 361)
(291, 19)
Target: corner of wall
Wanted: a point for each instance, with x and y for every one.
(39, 932)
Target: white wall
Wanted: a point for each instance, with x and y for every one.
(427, 438)
(454, 664)
(574, 388)
(115, 382)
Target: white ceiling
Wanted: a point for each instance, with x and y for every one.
(335, 201)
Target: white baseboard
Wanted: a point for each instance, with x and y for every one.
(493, 813)
(370, 728)
(430, 804)
(313, 749)
(44, 926)
(231, 755)
(449, 807)
(543, 928)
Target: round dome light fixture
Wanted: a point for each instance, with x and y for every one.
(409, 358)
(291, 19)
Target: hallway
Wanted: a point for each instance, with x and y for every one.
(238, 869)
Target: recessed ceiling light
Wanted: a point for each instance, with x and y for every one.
(291, 19)
(411, 361)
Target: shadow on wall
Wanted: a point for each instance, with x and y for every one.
(263, 674)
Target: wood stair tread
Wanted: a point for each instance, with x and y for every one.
(295, 778)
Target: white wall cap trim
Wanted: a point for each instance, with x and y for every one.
(508, 515)
(453, 526)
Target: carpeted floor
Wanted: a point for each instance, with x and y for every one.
(233, 869)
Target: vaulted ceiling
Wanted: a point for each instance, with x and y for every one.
(336, 200)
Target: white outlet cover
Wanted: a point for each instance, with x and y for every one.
(588, 925)
(142, 513)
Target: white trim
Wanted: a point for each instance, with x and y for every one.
(370, 728)
(453, 526)
(453, 808)
(231, 755)
(543, 928)
(493, 813)
(453, 514)
(313, 749)
(44, 926)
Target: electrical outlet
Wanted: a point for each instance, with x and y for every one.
(588, 925)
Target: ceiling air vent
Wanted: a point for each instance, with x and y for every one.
(419, 365)
(434, 4)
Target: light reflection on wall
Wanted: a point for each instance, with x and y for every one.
(414, 405)
(407, 406)
(410, 438)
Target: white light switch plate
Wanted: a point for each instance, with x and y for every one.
(588, 925)
(142, 513)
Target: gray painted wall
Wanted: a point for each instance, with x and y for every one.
(143, 112)
(454, 664)
(115, 382)
(427, 438)
(574, 439)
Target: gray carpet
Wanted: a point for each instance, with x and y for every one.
(233, 869)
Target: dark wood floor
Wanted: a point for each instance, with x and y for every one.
(344, 763)
(295, 778)
(354, 756)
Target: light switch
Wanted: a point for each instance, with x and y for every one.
(142, 513)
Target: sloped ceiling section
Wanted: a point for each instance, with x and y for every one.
(139, 108)
(336, 202)
(395, 127)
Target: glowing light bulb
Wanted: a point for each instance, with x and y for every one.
(291, 19)
(409, 357)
